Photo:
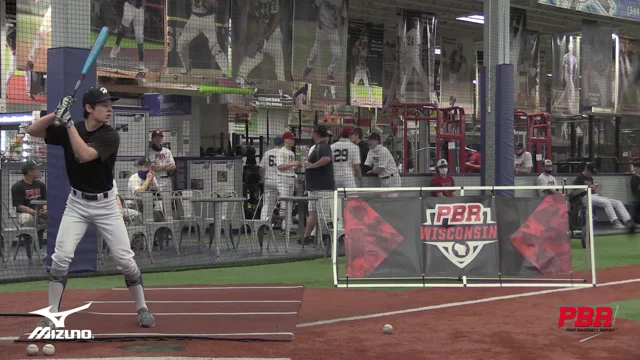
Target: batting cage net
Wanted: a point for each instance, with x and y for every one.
(206, 133)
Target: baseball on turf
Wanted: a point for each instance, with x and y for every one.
(49, 349)
(387, 329)
(32, 349)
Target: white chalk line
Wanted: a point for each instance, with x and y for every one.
(198, 302)
(217, 288)
(188, 335)
(456, 304)
(196, 313)
(172, 358)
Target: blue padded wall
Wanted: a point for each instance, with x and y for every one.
(505, 173)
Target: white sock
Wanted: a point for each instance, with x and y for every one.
(138, 295)
(55, 295)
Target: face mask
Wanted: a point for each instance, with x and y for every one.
(443, 171)
(143, 174)
(156, 147)
(548, 171)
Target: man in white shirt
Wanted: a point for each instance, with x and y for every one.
(547, 179)
(269, 176)
(162, 162)
(145, 180)
(286, 165)
(346, 161)
(523, 161)
(382, 164)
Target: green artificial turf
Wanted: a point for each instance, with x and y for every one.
(628, 310)
(611, 251)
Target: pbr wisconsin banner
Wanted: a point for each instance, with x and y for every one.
(416, 57)
(366, 52)
(320, 49)
(597, 66)
(198, 40)
(566, 75)
(451, 237)
(261, 41)
(629, 94)
(457, 70)
(136, 45)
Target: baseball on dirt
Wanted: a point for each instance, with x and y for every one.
(32, 349)
(49, 349)
(387, 329)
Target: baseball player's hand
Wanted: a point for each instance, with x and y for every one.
(307, 164)
(151, 175)
(63, 111)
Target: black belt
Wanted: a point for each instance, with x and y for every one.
(386, 177)
(90, 197)
(164, 177)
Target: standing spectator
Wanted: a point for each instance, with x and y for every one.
(286, 165)
(162, 162)
(474, 161)
(382, 164)
(523, 162)
(357, 137)
(24, 192)
(635, 190)
(443, 179)
(346, 161)
(269, 176)
(546, 178)
(319, 179)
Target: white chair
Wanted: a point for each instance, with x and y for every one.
(16, 232)
(258, 225)
(134, 229)
(169, 223)
(188, 216)
(327, 225)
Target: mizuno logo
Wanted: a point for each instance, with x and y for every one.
(58, 320)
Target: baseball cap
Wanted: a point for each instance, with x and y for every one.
(347, 131)
(157, 132)
(143, 162)
(374, 136)
(28, 166)
(95, 95)
(592, 167)
(519, 146)
(321, 130)
(288, 136)
(278, 140)
(548, 162)
(442, 163)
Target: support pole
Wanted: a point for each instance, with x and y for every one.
(590, 149)
(618, 152)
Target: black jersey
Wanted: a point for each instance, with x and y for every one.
(96, 176)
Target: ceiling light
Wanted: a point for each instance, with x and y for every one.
(438, 51)
(476, 19)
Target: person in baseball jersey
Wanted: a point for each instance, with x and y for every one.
(545, 179)
(39, 38)
(268, 39)
(331, 15)
(286, 165)
(269, 175)
(90, 152)
(202, 21)
(360, 53)
(569, 70)
(443, 179)
(346, 161)
(162, 162)
(412, 46)
(382, 164)
(132, 14)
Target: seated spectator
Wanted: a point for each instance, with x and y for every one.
(546, 178)
(145, 180)
(442, 179)
(474, 161)
(523, 162)
(130, 215)
(612, 207)
(24, 192)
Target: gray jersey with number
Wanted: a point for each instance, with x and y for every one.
(329, 13)
(264, 9)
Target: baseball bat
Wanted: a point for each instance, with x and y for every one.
(91, 59)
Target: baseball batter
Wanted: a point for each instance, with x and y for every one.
(39, 38)
(286, 165)
(202, 21)
(382, 164)
(331, 14)
(132, 14)
(360, 53)
(269, 174)
(569, 70)
(268, 40)
(412, 46)
(162, 162)
(346, 161)
(90, 152)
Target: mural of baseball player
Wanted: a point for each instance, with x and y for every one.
(11, 44)
(566, 67)
(264, 17)
(366, 57)
(133, 14)
(202, 21)
(629, 97)
(36, 56)
(412, 44)
(360, 53)
(597, 77)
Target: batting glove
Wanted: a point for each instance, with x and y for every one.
(63, 111)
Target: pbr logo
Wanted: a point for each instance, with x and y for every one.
(460, 231)
(59, 333)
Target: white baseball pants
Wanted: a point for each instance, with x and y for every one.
(269, 199)
(611, 207)
(391, 182)
(332, 37)
(273, 47)
(207, 26)
(286, 186)
(135, 16)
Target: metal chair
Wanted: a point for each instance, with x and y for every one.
(9, 234)
(227, 223)
(153, 226)
(133, 229)
(188, 217)
(257, 225)
(327, 225)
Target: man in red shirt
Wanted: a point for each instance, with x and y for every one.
(442, 179)
(474, 160)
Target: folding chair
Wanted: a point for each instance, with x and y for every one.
(258, 225)
(327, 223)
(153, 226)
(188, 216)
